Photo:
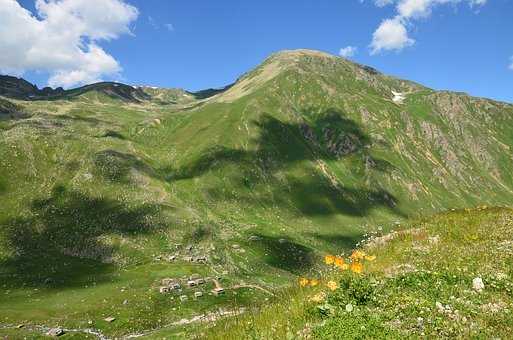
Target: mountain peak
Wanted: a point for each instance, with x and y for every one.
(302, 53)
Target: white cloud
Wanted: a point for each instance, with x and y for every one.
(348, 51)
(511, 63)
(170, 27)
(415, 8)
(392, 34)
(63, 38)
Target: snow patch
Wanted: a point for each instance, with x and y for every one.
(399, 97)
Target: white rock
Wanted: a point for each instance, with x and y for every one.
(478, 284)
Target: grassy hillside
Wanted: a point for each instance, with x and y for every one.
(419, 286)
(302, 156)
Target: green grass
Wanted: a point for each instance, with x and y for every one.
(434, 260)
(94, 188)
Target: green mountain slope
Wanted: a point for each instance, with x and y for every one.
(445, 277)
(301, 156)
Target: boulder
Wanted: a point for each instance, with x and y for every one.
(478, 284)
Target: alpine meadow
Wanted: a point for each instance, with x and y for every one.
(314, 197)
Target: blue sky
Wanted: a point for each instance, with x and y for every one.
(461, 45)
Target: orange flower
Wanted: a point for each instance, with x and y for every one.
(303, 282)
(329, 259)
(339, 262)
(332, 285)
(314, 282)
(357, 255)
(356, 267)
(370, 257)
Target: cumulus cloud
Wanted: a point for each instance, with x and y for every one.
(62, 38)
(348, 51)
(392, 34)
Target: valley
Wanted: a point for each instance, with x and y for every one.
(109, 189)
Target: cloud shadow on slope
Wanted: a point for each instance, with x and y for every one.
(60, 243)
(280, 147)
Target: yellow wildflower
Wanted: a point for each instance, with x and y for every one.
(314, 282)
(303, 282)
(345, 266)
(357, 255)
(356, 267)
(332, 285)
(339, 262)
(329, 259)
(370, 257)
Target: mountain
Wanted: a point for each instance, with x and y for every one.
(16, 88)
(114, 187)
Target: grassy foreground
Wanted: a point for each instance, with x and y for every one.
(419, 285)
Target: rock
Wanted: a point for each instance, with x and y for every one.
(282, 240)
(55, 332)
(125, 302)
(198, 294)
(20, 326)
(349, 308)
(191, 283)
(254, 238)
(183, 298)
(478, 284)
(200, 281)
(235, 246)
(440, 307)
(110, 319)
(189, 248)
